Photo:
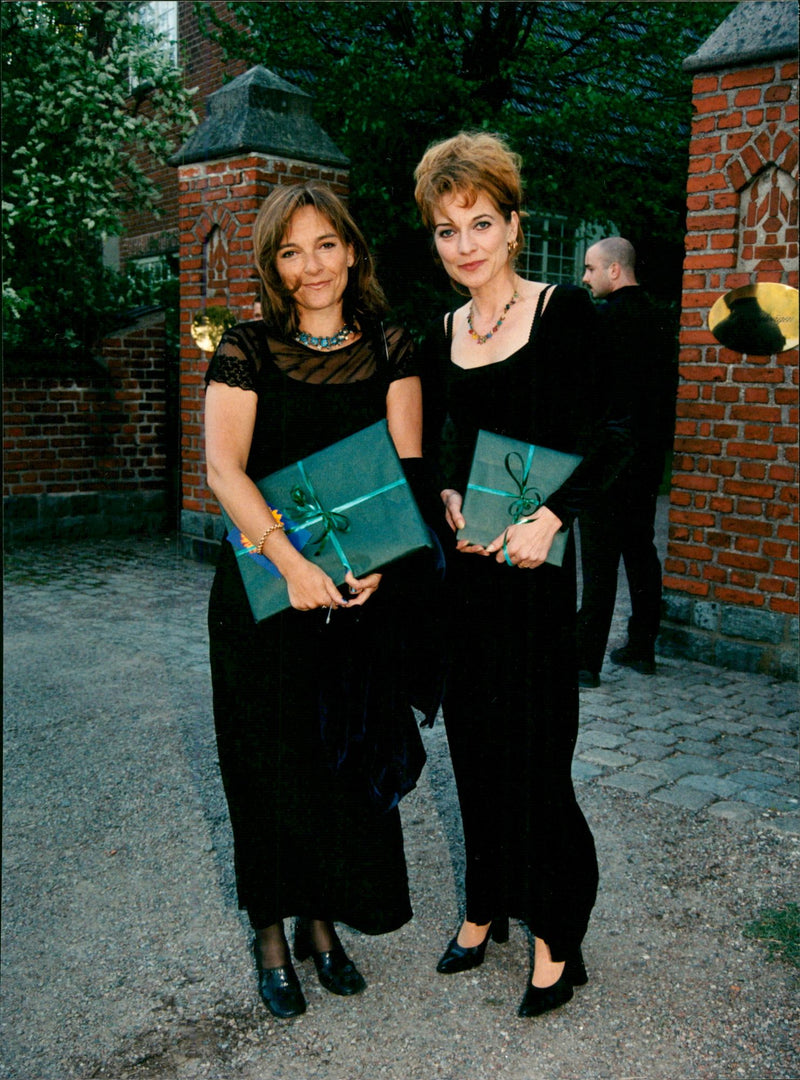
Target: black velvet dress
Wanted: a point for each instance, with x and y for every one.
(308, 840)
(511, 701)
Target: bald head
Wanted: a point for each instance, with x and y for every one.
(610, 265)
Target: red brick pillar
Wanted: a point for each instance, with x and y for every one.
(731, 571)
(259, 134)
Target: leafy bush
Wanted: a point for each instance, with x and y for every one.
(91, 99)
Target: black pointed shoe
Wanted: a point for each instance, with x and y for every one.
(538, 1000)
(457, 958)
(335, 970)
(279, 988)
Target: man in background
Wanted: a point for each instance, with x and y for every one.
(640, 376)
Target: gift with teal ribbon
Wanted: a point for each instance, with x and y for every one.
(508, 481)
(348, 507)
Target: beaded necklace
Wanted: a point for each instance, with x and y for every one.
(325, 342)
(483, 338)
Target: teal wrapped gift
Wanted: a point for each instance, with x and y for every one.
(348, 507)
(509, 480)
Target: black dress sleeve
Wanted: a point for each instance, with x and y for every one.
(234, 361)
(574, 411)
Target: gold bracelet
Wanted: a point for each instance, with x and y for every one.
(271, 529)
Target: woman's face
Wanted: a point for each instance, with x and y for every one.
(312, 260)
(472, 241)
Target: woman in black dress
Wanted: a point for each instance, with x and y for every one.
(316, 368)
(515, 360)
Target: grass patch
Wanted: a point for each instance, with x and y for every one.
(779, 929)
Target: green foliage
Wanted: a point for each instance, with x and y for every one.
(149, 286)
(592, 94)
(89, 96)
(779, 929)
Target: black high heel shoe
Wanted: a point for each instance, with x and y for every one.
(458, 958)
(279, 988)
(335, 970)
(541, 999)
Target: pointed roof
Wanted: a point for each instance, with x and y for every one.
(755, 30)
(257, 112)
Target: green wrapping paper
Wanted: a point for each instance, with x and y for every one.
(509, 480)
(348, 507)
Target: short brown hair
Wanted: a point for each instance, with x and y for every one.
(363, 296)
(469, 164)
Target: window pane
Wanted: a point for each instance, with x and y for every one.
(554, 249)
(161, 16)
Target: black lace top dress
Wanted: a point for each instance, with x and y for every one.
(308, 837)
(511, 702)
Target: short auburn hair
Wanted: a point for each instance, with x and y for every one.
(363, 296)
(470, 164)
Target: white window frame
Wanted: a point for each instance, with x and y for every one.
(161, 16)
(549, 227)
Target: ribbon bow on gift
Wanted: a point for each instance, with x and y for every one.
(307, 501)
(308, 511)
(528, 498)
(313, 511)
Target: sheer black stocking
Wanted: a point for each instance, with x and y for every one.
(323, 935)
(272, 946)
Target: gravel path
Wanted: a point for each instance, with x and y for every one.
(124, 955)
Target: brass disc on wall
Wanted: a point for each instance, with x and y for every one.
(760, 319)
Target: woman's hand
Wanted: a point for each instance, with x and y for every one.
(361, 589)
(527, 543)
(310, 587)
(452, 507)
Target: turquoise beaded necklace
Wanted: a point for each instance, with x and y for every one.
(325, 342)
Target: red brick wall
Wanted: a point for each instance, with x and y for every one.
(203, 67)
(104, 432)
(225, 195)
(733, 536)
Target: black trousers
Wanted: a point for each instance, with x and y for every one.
(511, 712)
(621, 527)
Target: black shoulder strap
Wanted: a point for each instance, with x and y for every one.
(540, 303)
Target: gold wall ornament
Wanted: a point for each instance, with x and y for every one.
(209, 325)
(760, 319)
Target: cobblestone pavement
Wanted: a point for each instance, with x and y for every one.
(695, 737)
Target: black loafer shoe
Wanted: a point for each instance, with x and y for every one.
(338, 973)
(280, 989)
